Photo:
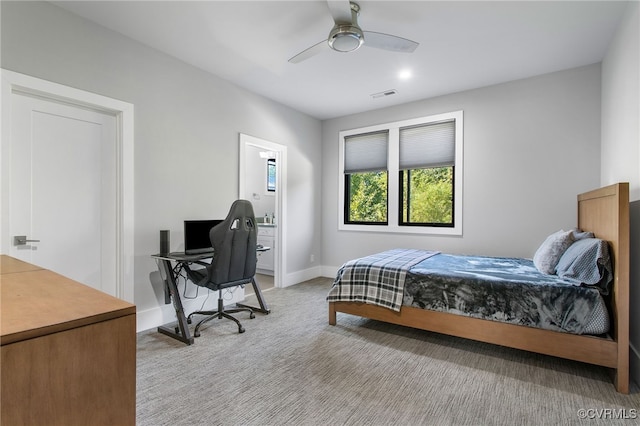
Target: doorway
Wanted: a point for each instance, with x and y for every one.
(269, 196)
(67, 182)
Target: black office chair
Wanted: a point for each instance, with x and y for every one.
(234, 261)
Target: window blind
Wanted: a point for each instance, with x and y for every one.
(366, 152)
(430, 145)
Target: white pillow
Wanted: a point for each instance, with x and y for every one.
(551, 250)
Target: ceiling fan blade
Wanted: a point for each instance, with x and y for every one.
(389, 42)
(341, 11)
(312, 51)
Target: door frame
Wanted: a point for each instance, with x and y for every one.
(280, 254)
(13, 82)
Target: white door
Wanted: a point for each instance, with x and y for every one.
(62, 189)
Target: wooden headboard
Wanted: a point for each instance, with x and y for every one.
(605, 212)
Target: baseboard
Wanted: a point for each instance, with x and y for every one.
(301, 276)
(329, 271)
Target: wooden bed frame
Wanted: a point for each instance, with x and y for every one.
(605, 212)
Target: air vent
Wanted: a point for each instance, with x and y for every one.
(385, 93)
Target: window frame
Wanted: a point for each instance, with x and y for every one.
(401, 221)
(394, 202)
(347, 184)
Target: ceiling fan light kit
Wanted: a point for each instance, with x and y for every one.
(345, 38)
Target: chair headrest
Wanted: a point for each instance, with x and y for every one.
(241, 208)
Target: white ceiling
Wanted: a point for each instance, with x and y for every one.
(463, 45)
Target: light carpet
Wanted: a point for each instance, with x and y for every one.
(292, 367)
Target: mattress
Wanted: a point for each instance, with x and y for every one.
(509, 290)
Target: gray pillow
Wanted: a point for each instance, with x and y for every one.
(587, 261)
(548, 254)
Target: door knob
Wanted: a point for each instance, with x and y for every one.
(21, 240)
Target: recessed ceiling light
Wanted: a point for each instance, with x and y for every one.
(404, 74)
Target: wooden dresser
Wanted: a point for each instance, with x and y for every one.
(68, 351)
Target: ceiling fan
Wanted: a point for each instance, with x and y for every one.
(347, 36)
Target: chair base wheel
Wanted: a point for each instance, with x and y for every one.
(219, 314)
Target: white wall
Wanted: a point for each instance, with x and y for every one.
(621, 105)
(530, 147)
(187, 126)
(621, 145)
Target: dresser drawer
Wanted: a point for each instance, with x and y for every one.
(266, 231)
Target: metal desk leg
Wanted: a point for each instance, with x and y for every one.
(179, 331)
(263, 303)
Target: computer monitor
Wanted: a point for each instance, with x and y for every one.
(196, 236)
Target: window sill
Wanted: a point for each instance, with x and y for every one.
(395, 229)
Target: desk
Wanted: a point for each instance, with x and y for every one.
(11, 265)
(180, 331)
(63, 343)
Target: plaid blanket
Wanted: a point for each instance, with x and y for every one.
(377, 279)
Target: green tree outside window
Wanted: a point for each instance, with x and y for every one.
(367, 197)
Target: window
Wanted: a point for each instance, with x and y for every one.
(403, 177)
(366, 178)
(271, 175)
(427, 160)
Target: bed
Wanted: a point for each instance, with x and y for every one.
(603, 212)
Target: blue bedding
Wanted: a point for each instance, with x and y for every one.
(509, 290)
